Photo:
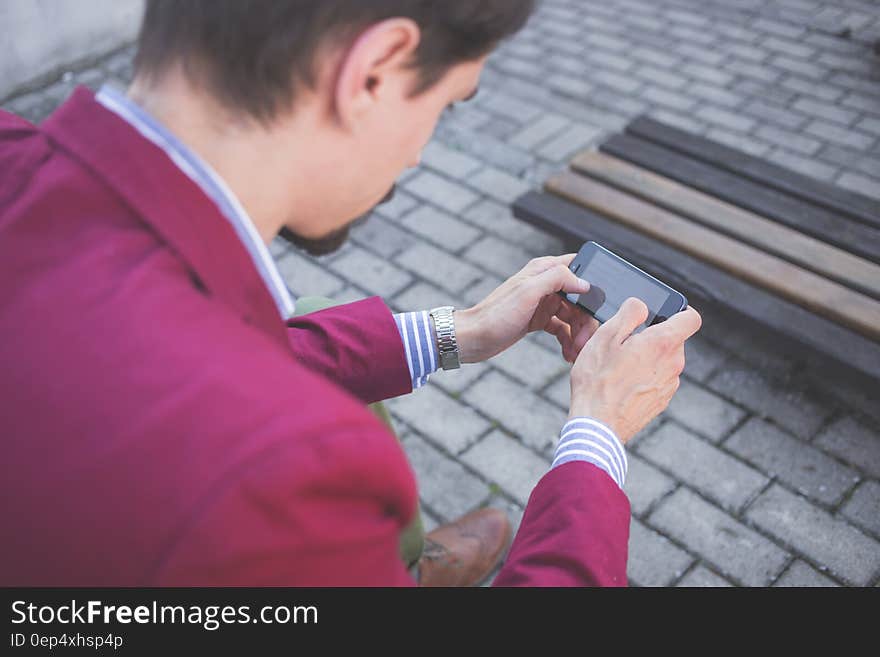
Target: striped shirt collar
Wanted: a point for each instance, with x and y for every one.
(211, 184)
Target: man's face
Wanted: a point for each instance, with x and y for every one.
(387, 141)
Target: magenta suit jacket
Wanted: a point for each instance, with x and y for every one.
(162, 425)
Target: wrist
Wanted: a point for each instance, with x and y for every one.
(467, 334)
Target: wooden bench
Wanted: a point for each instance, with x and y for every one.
(796, 256)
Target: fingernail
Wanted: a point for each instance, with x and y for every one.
(585, 285)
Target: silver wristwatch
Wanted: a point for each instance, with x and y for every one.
(447, 345)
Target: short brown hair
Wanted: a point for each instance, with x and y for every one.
(251, 55)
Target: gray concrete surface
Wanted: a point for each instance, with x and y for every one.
(43, 36)
(764, 471)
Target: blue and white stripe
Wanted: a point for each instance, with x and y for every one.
(419, 345)
(586, 439)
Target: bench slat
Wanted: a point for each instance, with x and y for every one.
(820, 223)
(835, 346)
(833, 197)
(803, 287)
(765, 234)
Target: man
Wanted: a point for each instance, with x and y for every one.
(168, 421)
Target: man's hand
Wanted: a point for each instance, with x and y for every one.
(526, 302)
(626, 380)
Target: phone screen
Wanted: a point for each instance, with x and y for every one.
(612, 281)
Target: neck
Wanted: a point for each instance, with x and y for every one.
(245, 154)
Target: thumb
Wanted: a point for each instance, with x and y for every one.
(631, 314)
(559, 279)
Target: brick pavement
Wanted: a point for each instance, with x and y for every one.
(763, 471)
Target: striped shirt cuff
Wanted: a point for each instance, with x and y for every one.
(421, 352)
(585, 439)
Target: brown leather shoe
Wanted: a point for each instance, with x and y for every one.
(465, 552)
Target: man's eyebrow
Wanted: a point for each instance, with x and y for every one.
(471, 95)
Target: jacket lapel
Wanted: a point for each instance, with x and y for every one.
(166, 199)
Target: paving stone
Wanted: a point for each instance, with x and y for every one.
(854, 442)
(440, 227)
(476, 292)
(381, 236)
(702, 577)
(574, 138)
(666, 98)
(704, 412)
(792, 48)
(498, 256)
(702, 358)
(776, 114)
(440, 191)
(810, 70)
(686, 122)
(829, 111)
(491, 150)
(506, 462)
(511, 404)
(373, 273)
(863, 508)
(778, 28)
(828, 541)
(304, 278)
(798, 464)
(810, 88)
(439, 267)
(653, 559)
(739, 141)
(499, 185)
(702, 466)
(444, 484)
(840, 135)
(530, 364)
(618, 62)
(456, 382)
(399, 205)
(801, 574)
(559, 392)
(724, 118)
(793, 409)
(539, 131)
(861, 184)
(498, 219)
(645, 485)
(730, 547)
(791, 140)
(714, 94)
(808, 166)
(510, 107)
(707, 73)
(701, 54)
(445, 420)
(570, 86)
(423, 296)
(451, 162)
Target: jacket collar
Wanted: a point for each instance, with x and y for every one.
(168, 201)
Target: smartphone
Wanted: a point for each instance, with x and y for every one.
(612, 280)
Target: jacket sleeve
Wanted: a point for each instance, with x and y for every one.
(356, 345)
(574, 532)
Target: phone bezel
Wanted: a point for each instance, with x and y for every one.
(675, 302)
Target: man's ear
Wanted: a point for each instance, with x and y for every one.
(374, 68)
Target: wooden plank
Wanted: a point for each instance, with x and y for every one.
(801, 332)
(803, 287)
(765, 234)
(856, 206)
(856, 238)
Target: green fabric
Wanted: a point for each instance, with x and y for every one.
(412, 540)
